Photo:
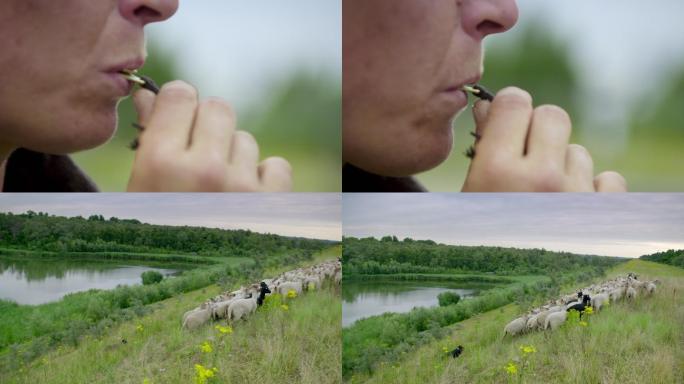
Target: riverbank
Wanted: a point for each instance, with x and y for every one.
(297, 345)
(626, 343)
(30, 331)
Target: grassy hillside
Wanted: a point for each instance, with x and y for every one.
(639, 342)
(300, 344)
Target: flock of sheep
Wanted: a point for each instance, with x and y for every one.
(239, 304)
(554, 313)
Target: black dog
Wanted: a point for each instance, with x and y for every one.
(580, 307)
(456, 352)
(262, 293)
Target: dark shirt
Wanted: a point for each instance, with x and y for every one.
(28, 171)
(357, 180)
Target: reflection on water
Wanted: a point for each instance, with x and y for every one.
(42, 281)
(364, 299)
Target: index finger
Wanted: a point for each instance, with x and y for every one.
(507, 123)
(173, 115)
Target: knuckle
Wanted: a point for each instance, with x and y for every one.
(579, 152)
(613, 177)
(243, 182)
(218, 105)
(548, 178)
(278, 163)
(246, 138)
(513, 97)
(554, 112)
(211, 176)
(179, 90)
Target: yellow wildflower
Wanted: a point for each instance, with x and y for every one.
(527, 349)
(445, 349)
(139, 328)
(583, 323)
(511, 368)
(147, 381)
(589, 310)
(206, 347)
(291, 294)
(284, 307)
(223, 329)
(203, 374)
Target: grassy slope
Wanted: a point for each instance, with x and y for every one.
(626, 343)
(302, 344)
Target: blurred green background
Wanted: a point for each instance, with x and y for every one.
(621, 82)
(284, 82)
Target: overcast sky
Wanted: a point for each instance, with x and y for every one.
(313, 215)
(238, 50)
(620, 48)
(628, 225)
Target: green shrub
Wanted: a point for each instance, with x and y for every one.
(151, 277)
(448, 298)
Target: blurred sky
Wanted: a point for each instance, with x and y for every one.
(620, 47)
(312, 215)
(626, 225)
(237, 49)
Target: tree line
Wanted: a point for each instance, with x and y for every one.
(389, 255)
(673, 257)
(40, 231)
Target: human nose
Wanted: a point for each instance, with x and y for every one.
(485, 17)
(145, 12)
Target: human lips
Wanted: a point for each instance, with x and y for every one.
(457, 86)
(117, 75)
(454, 96)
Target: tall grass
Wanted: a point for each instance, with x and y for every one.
(638, 342)
(297, 345)
(377, 340)
(27, 332)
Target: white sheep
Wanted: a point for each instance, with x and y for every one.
(221, 309)
(516, 326)
(541, 318)
(197, 318)
(240, 308)
(617, 294)
(532, 323)
(312, 281)
(597, 301)
(188, 313)
(631, 293)
(287, 286)
(651, 288)
(555, 320)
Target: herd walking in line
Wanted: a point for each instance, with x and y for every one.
(593, 298)
(236, 305)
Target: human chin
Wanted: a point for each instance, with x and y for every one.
(413, 152)
(80, 131)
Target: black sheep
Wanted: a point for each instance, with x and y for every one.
(580, 307)
(456, 352)
(262, 293)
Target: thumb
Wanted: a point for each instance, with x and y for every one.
(144, 105)
(480, 112)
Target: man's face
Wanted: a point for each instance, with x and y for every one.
(59, 68)
(404, 63)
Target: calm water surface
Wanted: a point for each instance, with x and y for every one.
(42, 281)
(364, 299)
